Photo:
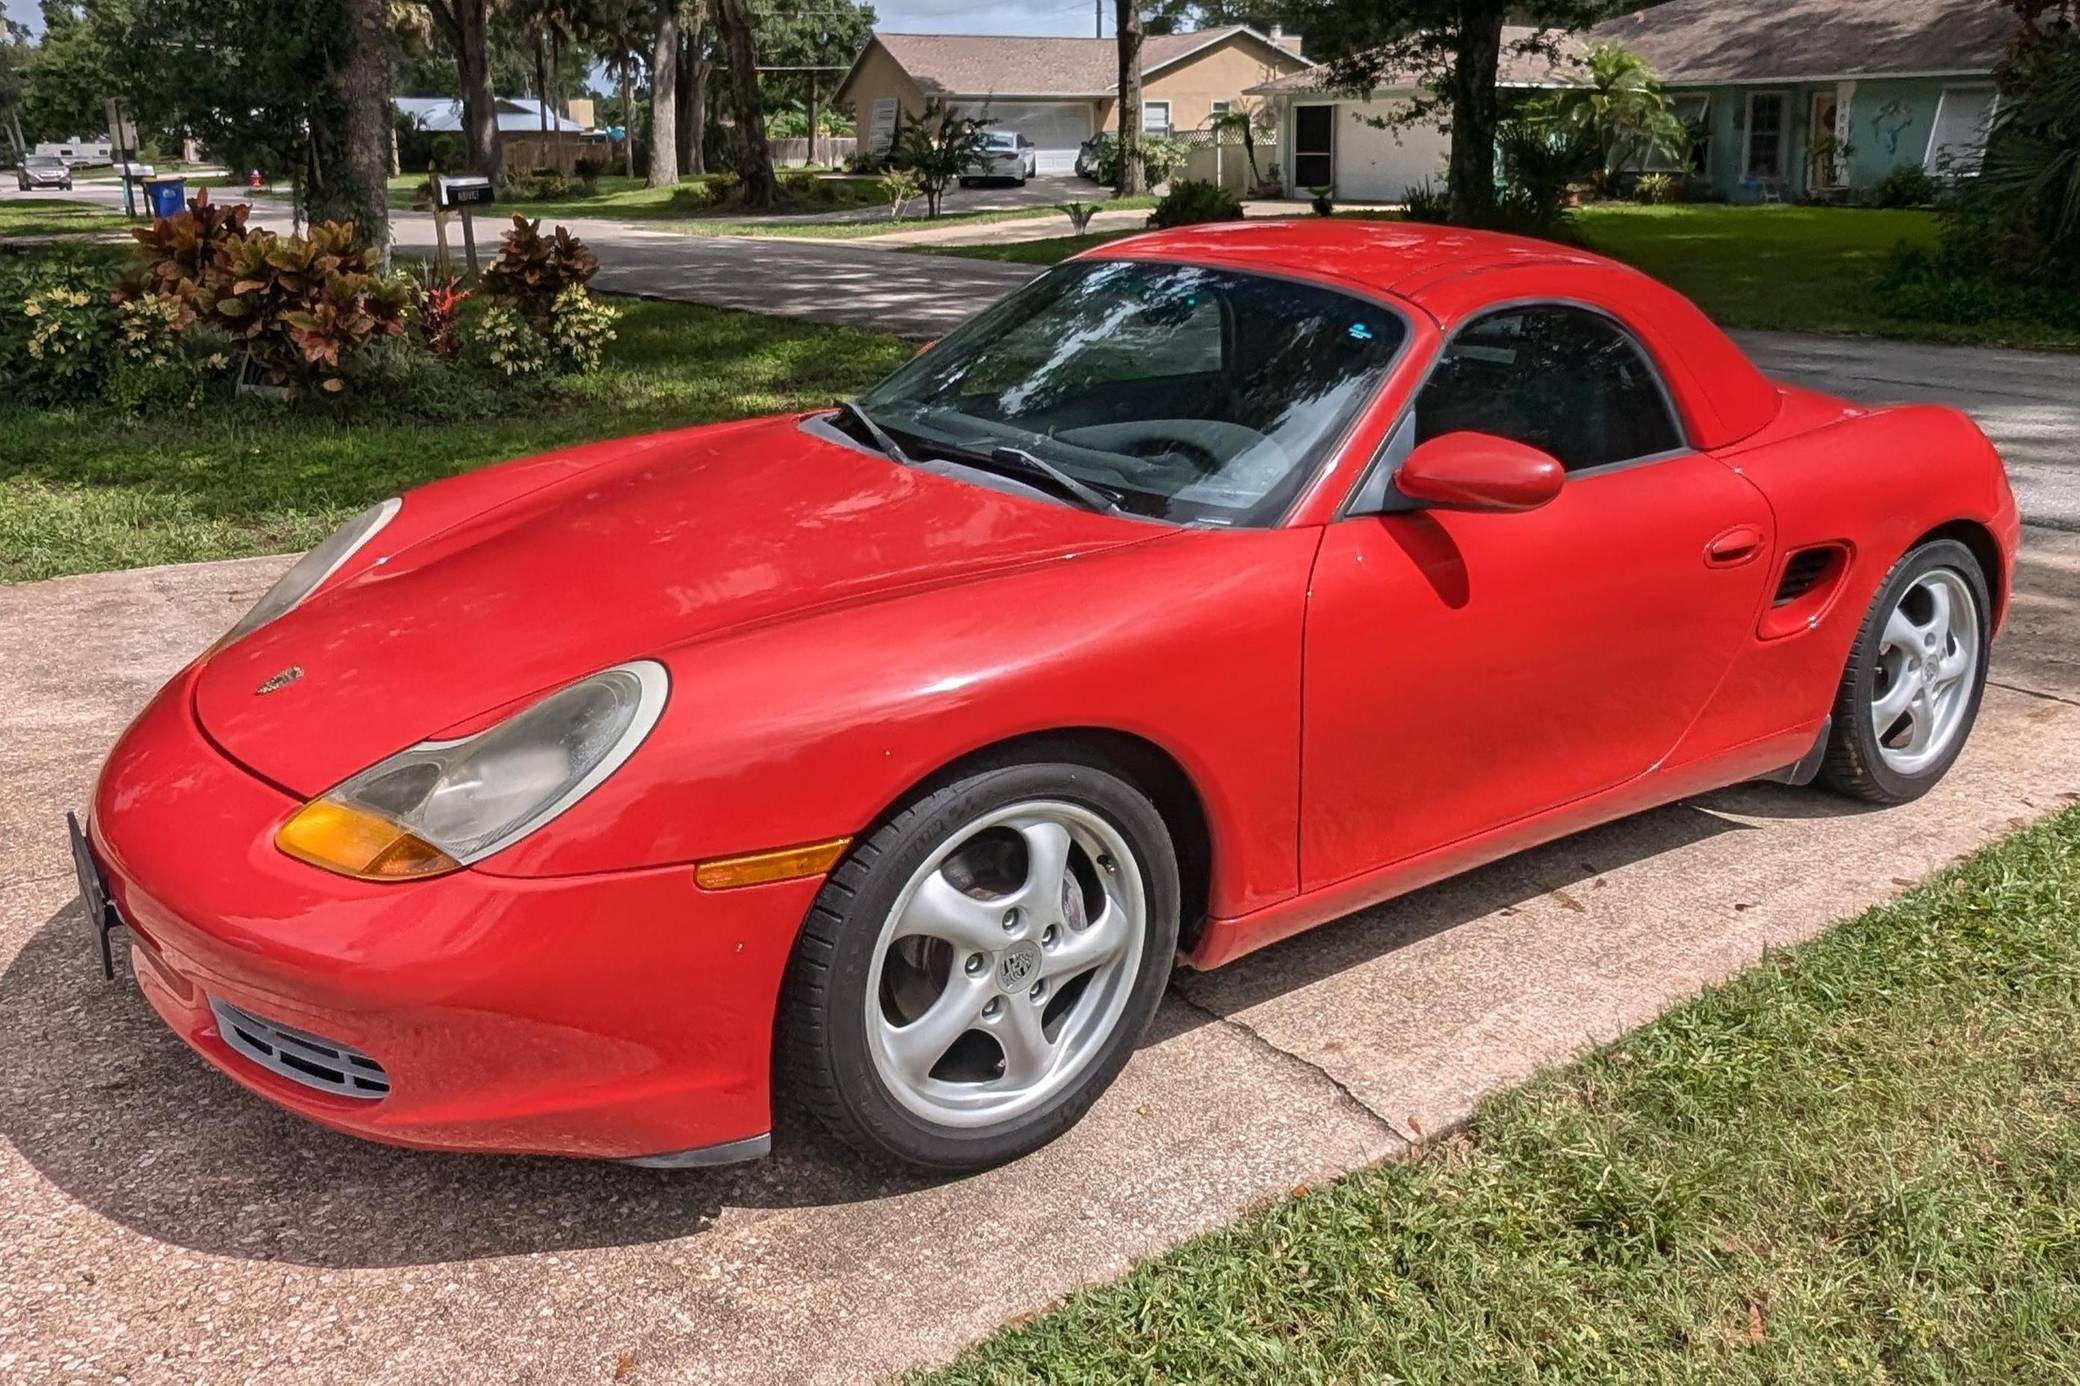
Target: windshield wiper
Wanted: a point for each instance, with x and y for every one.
(878, 435)
(1005, 459)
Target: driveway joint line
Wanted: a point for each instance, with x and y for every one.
(2034, 693)
(1257, 1040)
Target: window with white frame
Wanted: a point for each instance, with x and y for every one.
(1767, 117)
(1155, 117)
(1957, 137)
(1219, 108)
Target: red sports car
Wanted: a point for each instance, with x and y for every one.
(1213, 585)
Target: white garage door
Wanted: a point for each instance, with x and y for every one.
(1375, 165)
(1058, 128)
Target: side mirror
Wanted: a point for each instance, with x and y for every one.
(1479, 471)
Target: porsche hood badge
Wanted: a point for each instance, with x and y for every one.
(276, 682)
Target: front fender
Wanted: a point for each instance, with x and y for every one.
(811, 728)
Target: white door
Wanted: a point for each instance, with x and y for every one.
(1375, 165)
(1056, 128)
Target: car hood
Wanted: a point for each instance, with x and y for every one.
(674, 539)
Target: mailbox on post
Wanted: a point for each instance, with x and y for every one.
(461, 193)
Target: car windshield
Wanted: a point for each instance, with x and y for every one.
(1190, 394)
(999, 140)
(44, 161)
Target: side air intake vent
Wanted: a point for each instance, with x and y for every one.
(1806, 567)
(300, 1056)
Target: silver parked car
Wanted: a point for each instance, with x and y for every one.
(44, 171)
(1006, 154)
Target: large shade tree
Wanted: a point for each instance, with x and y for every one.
(298, 86)
(1451, 51)
(738, 32)
(1133, 178)
(465, 25)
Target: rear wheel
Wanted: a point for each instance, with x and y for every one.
(979, 968)
(1916, 674)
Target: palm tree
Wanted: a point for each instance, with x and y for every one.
(1239, 124)
(1622, 108)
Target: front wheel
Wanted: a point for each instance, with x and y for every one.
(1916, 673)
(979, 968)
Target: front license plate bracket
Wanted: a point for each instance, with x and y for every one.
(102, 916)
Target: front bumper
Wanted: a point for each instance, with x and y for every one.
(619, 1015)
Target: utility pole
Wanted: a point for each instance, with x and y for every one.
(1099, 6)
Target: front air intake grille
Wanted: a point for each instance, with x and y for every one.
(300, 1057)
(1806, 567)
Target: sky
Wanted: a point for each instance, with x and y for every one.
(1073, 17)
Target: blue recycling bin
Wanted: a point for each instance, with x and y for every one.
(166, 197)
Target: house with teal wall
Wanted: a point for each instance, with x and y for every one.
(1820, 99)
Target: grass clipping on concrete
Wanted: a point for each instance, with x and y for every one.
(1857, 1162)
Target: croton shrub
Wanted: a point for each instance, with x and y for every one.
(300, 306)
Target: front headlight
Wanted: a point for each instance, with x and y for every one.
(314, 567)
(441, 805)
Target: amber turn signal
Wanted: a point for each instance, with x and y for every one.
(760, 868)
(355, 843)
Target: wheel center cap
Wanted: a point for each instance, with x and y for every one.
(1018, 967)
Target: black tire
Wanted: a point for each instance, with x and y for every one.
(1853, 764)
(822, 1059)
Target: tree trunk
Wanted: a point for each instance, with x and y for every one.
(353, 168)
(628, 119)
(467, 23)
(541, 83)
(689, 43)
(755, 162)
(811, 158)
(1132, 180)
(1470, 172)
(664, 98)
(697, 105)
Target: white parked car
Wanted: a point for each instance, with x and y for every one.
(1006, 155)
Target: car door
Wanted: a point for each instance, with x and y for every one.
(1468, 669)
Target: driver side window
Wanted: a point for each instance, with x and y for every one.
(1564, 380)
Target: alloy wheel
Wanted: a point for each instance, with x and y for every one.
(1006, 963)
(1927, 661)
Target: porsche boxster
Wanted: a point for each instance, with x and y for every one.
(1211, 586)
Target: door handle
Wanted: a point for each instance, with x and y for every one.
(1741, 544)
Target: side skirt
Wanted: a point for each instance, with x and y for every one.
(728, 1153)
(1224, 940)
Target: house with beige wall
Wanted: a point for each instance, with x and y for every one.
(1058, 92)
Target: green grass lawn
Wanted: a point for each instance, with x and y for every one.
(87, 489)
(1801, 269)
(1858, 1162)
(1806, 269)
(42, 217)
